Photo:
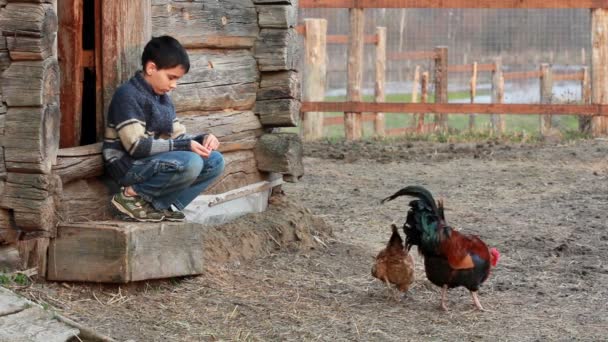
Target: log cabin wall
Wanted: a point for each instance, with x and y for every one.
(242, 81)
(29, 131)
(241, 85)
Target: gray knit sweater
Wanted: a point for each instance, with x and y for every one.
(140, 124)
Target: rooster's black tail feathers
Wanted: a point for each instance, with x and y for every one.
(418, 192)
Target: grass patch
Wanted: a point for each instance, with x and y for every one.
(10, 279)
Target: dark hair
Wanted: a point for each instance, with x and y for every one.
(166, 52)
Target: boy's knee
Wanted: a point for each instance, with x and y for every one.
(216, 162)
(193, 166)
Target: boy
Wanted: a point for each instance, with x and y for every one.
(146, 149)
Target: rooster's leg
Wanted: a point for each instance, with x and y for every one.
(444, 294)
(476, 301)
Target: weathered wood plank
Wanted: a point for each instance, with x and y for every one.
(30, 196)
(218, 80)
(33, 254)
(78, 167)
(8, 231)
(28, 20)
(122, 252)
(278, 16)
(126, 27)
(31, 140)
(36, 325)
(30, 49)
(281, 153)
(229, 126)
(70, 56)
(277, 49)
(31, 83)
(86, 200)
(207, 23)
(278, 113)
(280, 85)
(240, 170)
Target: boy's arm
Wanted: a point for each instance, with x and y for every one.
(126, 116)
(179, 132)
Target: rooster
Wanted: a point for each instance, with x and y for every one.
(451, 259)
(393, 264)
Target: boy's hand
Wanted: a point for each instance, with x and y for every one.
(211, 142)
(199, 149)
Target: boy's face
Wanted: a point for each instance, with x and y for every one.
(163, 80)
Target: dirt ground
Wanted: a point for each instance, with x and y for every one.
(543, 207)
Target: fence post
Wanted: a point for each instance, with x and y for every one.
(497, 78)
(473, 95)
(424, 90)
(356, 40)
(599, 65)
(546, 95)
(441, 84)
(584, 122)
(379, 126)
(414, 98)
(315, 75)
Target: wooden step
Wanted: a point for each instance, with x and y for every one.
(121, 252)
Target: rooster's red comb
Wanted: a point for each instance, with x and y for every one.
(494, 256)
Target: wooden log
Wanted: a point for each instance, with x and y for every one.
(277, 50)
(126, 27)
(599, 65)
(70, 58)
(31, 140)
(546, 96)
(278, 113)
(495, 96)
(441, 85)
(9, 234)
(86, 200)
(228, 126)
(353, 126)
(28, 20)
(280, 153)
(33, 254)
(218, 80)
(79, 166)
(315, 72)
(122, 252)
(279, 85)
(379, 89)
(31, 83)
(240, 170)
(584, 122)
(30, 196)
(30, 30)
(277, 16)
(473, 85)
(207, 23)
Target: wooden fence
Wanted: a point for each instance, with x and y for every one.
(354, 108)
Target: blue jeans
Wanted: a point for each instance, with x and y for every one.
(175, 177)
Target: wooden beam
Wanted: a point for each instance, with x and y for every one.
(520, 75)
(487, 67)
(70, 63)
(452, 4)
(456, 108)
(340, 38)
(315, 76)
(571, 76)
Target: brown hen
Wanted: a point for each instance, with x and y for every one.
(393, 264)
